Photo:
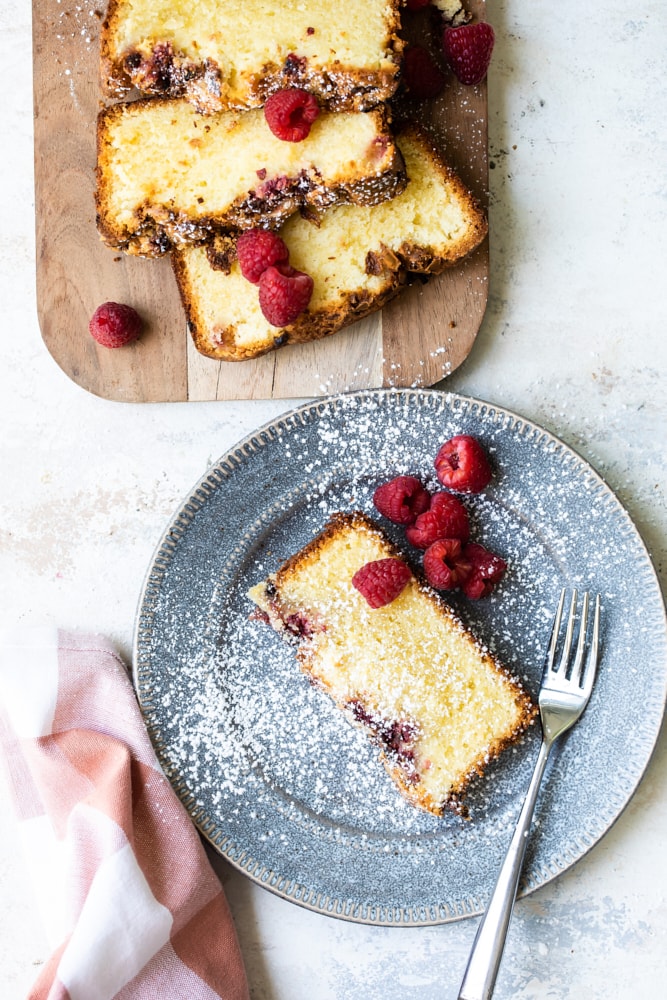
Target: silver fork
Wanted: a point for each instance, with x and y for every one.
(565, 692)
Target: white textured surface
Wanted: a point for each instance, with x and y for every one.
(573, 339)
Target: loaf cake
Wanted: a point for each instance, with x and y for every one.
(167, 175)
(224, 54)
(428, 694)
(358, 257)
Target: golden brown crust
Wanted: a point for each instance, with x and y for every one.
(418, 259)
(157, 227)
(221, 344)
(156, 68)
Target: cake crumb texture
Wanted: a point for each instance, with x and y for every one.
(236, 53)
(167, 175)
(436, 702)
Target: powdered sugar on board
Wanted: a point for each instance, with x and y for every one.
(271, 770)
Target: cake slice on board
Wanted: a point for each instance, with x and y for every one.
(168, 176)
(235, 54)
(358, 257)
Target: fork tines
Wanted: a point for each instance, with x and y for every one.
(579, 673)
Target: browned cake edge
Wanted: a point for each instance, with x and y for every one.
(277, 615)
(158, 228)
(311, 325)
(314, 324)
(164, 72)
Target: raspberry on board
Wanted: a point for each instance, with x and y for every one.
(423, 78)
(402, 499)
(446, 565)
(257, 249)
(486, 570)
(468, 50)
(284, 293)
(290, 113)
(380, 582)
(462, 465)
(446, 517)
(114, 324)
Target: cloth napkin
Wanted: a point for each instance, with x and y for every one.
(131, 905)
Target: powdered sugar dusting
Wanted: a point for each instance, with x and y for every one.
(267, 765)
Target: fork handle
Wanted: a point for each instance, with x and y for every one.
(487, 950)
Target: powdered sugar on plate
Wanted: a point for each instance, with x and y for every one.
(270, 770)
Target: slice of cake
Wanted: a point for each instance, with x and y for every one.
(234, 54)
(358, 258)
(435, 701)
(167, 175)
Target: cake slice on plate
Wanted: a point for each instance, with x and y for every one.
(428, 694)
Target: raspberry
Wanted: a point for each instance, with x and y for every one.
(114, 324)
(402, 499)
(462, 465)
(446, 565)
(284, 293)
(468, 50)
(445, 518)
(423, 79)
(290, 113)
(417, 4)
(487, 569)
(258, 249)
(381, 582)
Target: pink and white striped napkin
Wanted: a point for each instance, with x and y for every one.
(131, 905)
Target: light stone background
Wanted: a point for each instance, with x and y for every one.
(574, 339)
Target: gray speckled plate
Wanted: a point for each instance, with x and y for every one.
(270, 772)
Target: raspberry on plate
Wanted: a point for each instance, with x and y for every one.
(257, 249)
(115, 325)
(468, 50)
(402, 499)
(446, 518)
(284, 293)
(290, 113)
(380, 582)
(461, 465)
(446, 565)
(486, 570)
(423, 78)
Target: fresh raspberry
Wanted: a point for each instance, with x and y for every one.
(381, 582)
(115, 325)
(284, 293)
(422, 77)
(462, 465)
(453, 513)
(290, 113)
(468, 50)
(257, 249)
(487, 569)
(445, 518)
(402, 499)
(446, 565)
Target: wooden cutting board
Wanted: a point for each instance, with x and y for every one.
(417, 339)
